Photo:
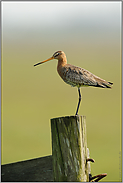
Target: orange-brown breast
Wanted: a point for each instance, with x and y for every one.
(70, 74)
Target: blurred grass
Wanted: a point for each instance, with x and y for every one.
(31, 96)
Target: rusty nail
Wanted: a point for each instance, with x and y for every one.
(90, 159)
(98, 177)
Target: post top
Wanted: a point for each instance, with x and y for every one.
(72, 117)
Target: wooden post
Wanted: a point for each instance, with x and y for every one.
(69, 149)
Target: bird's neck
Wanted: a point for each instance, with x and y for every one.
(62, 62)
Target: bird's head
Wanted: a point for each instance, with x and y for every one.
(60, 55)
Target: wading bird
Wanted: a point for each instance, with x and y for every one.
(76, 76)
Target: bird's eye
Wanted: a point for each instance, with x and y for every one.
(56, 54)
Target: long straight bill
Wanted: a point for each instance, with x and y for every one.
(51, 58)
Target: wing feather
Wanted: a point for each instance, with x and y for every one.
(77, 76)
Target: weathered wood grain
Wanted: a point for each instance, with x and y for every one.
(69, 149)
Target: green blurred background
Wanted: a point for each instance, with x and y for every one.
(90, 35)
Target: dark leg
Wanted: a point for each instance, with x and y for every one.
(78, 102)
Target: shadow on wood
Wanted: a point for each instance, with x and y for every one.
(35, 170)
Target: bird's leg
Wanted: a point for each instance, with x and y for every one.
(78, 102)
